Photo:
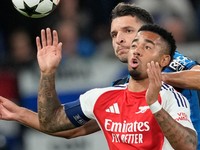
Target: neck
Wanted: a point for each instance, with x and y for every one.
(138, 85)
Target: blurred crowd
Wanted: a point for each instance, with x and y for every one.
(83, 27)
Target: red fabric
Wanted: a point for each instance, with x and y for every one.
(8, 85)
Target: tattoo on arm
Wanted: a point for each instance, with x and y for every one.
(51, 115)
(179, 136)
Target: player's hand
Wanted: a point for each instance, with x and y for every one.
(154, 74)
(48, 51)
(8, 109)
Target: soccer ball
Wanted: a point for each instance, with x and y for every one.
(35, 8)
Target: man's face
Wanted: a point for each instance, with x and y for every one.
(123, 31)
(146, 47)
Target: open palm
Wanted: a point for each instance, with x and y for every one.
(154, 75)
(48, 51)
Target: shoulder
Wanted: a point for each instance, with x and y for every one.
(180, 62)
(171, 96)
(121, 81)
(96, 92)
(88, 99)
(167, 89)
(181, 58)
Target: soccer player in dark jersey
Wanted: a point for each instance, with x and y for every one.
(126, 20)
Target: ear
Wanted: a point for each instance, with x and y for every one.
(165, 60)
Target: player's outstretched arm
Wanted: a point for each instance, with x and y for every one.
(180, 137)
(11, 112)
(88, 128)
(184, 79)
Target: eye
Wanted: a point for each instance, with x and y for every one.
(113, 35)
(147, 47)
(129, 31)
(133, 46)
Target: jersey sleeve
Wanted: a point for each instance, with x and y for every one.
(88, 100)
(81, 111)
(75, 114)
(177, 106)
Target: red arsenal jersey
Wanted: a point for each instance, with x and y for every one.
(127, 121)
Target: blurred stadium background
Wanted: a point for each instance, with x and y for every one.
(88, 58)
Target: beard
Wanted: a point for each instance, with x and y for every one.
(123, 59)
(136, 75)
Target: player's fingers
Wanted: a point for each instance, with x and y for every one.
(157, 73)
(153, 69)
(49, 36)
(2, 99)
(55, 38)
(152, 73)
(60, 48)
(149, 71)
(38, 44)
(43, 38)
(4, 113)
(1, 108)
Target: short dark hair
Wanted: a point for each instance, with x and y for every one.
(167, 36)
(126, 9)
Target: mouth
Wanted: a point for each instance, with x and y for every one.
(122, 50)
(134, 63)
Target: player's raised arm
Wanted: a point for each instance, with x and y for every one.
(51, 113)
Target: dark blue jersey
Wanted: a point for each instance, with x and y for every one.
(180, 63)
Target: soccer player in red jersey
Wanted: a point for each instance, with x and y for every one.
(131, 116)
(127, 24)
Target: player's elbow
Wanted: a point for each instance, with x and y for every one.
(189, 142)
(194, 143)
(46, 128)
(47, 125)
(193, 140)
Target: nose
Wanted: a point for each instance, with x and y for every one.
(136, 51)
(120, 38)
